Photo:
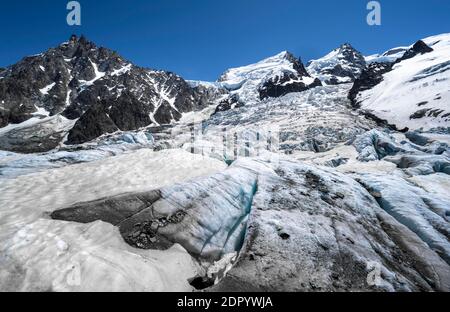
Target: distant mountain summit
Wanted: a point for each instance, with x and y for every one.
(271, 77)
(342, 65)
(77, 91)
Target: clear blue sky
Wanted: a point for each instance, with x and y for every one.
(199, 39)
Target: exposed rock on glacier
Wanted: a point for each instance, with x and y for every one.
(349, 208)
(207, 216)
(288, 82)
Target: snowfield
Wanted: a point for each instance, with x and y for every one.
(39, 254)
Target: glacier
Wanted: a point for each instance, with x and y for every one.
(243, 184)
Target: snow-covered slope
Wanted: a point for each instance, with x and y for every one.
(416, 92)
(342, 65)
(389, 56)
(39, 254)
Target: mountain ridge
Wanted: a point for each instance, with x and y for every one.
(94, 91)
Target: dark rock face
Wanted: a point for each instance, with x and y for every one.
(92, 124)
(288, 83)
(419, 47)
(229, 103)
(73, 78)
(119, 211)
(310, 231)
(371, 76)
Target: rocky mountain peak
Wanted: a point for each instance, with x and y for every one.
(274, 76)
(342, 65)
(78, 78)
(419, 47)
(73, 38)
(297, 64)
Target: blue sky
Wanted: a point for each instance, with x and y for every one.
(199, 39)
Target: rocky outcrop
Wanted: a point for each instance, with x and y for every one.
(288, 83)
(419, 47)
(371, 76)
(207, 217)
(230, 102)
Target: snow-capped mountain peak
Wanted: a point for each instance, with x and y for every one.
(342, 65)
(271, 77)
(275, 65)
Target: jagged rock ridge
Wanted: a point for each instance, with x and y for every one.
(96, 87)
